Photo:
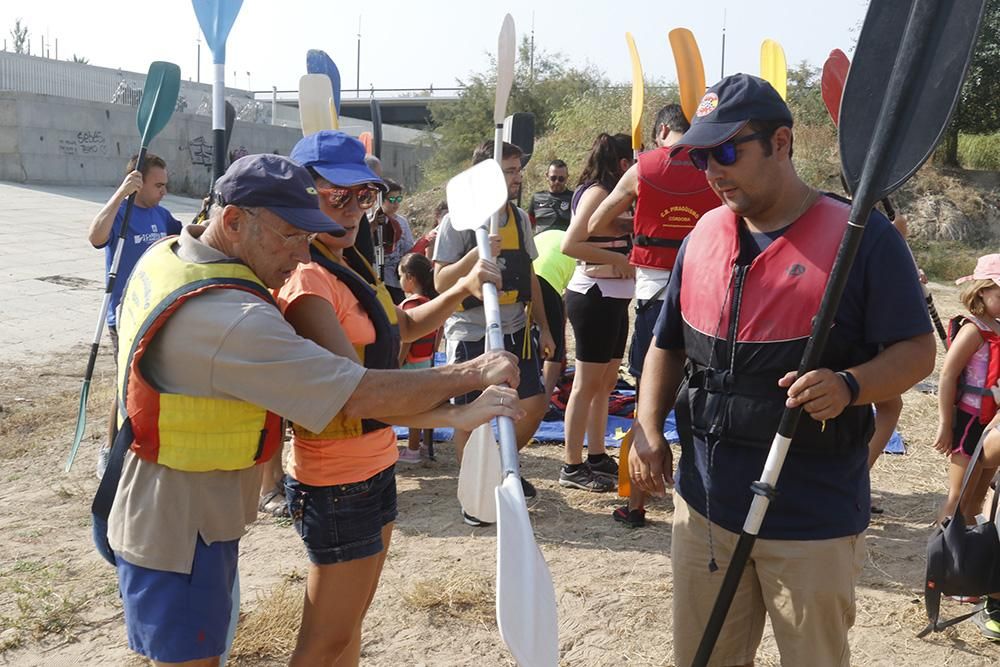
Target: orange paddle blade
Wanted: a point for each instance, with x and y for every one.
(366, 139)
(690, 70)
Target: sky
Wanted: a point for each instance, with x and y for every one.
(419, 43)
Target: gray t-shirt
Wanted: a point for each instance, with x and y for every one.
(451, 246)
(220, 344)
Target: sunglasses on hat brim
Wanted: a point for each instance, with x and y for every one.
(725, 153)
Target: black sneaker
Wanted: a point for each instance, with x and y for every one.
(582, 478)
(473, 521)
(605, 467)
(528, 488)
(632, 518)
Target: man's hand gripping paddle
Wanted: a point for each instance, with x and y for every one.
(911, 59)
(526, 603)
(159, 96)
(690, 70)
(834, 77)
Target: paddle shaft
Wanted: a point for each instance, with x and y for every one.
(219, 121)
(496, 218)
(494, 342)
(890, 114)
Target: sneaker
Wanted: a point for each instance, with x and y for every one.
(582, 478)
(103, 456)
(631, 518)
(407, 455)
(528, 488)
(473, 521)
(605, 466)
(988, 620)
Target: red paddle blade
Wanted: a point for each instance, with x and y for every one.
(832, 84)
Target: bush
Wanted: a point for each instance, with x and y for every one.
(979, 151)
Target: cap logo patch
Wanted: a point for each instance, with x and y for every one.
(707, 105)
(311, 190)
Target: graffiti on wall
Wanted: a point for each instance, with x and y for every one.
(201, 152)
(91, 142)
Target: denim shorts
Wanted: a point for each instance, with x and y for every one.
(343, 522)
(174, 617)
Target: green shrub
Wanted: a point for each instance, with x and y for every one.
(979, 151)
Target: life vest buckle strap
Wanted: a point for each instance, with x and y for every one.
(260, 444)
(643, 240)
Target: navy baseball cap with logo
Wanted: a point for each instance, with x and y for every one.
(726, 109)
(276, 183)
(337, 157)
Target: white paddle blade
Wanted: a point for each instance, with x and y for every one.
(475, 194)
(506, 51)
(526, 598)
(315, 91)
(479, 475)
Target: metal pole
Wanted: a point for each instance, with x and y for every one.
(722, 67)
(274, 105)
(199, 61)
(57, 48)
(357, 79)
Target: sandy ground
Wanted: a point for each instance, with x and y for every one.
(59, 606)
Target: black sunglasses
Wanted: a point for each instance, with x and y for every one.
(557, 179)
(724, 153)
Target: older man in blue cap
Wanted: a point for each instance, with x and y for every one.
(746, 285)
(207, 370)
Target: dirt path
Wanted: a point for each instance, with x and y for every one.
(58, 600)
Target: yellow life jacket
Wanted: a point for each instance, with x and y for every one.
(190, 433)
(383, 353)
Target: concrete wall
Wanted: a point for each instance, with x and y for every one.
(48, 139)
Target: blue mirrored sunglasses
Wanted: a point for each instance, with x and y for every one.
(724, 153)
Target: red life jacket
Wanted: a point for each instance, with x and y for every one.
(421, 349)
(988, 407)
(672, 197)
(746, 325)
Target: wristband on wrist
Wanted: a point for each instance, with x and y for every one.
(852, 385)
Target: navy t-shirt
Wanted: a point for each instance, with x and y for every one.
(146, 226)
(819, 497)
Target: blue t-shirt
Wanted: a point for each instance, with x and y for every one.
(819, 496)
(146, 226)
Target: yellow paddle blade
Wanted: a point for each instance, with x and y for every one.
(690, 70)
(773, 68)
(333, 114)
(638, 89)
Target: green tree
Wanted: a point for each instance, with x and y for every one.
(19, 35)
(80, 59)
(461, 126)
(805, 98)
(978, 112)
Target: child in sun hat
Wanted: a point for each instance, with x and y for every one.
(966, 401)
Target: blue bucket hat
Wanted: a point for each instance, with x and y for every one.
(727, 107)
(276, 183)
(337, 157)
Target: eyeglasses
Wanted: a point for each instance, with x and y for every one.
(557, 179)
(338, 197)
(724, 153)
(290, 241)
(394, 200)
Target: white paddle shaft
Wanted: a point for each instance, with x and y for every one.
(219, 98)
(496, 220)
(494, 341)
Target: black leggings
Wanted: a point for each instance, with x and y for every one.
(600, 325)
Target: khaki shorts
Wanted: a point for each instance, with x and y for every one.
(806, 587)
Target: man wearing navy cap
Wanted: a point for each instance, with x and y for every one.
(745, 287)
(208, 369)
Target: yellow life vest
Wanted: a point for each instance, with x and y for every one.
(514, 262)
(190, 433)
(383, 353)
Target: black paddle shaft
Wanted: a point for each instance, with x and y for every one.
(933, 32)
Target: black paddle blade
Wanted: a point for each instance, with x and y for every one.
(934, 46)
(376, 112)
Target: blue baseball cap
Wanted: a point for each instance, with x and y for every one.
(337, 157)
(276, 183)
(727, 107)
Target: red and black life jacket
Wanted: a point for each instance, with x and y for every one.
(988, 407)
(747, 325)
(672, 197)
